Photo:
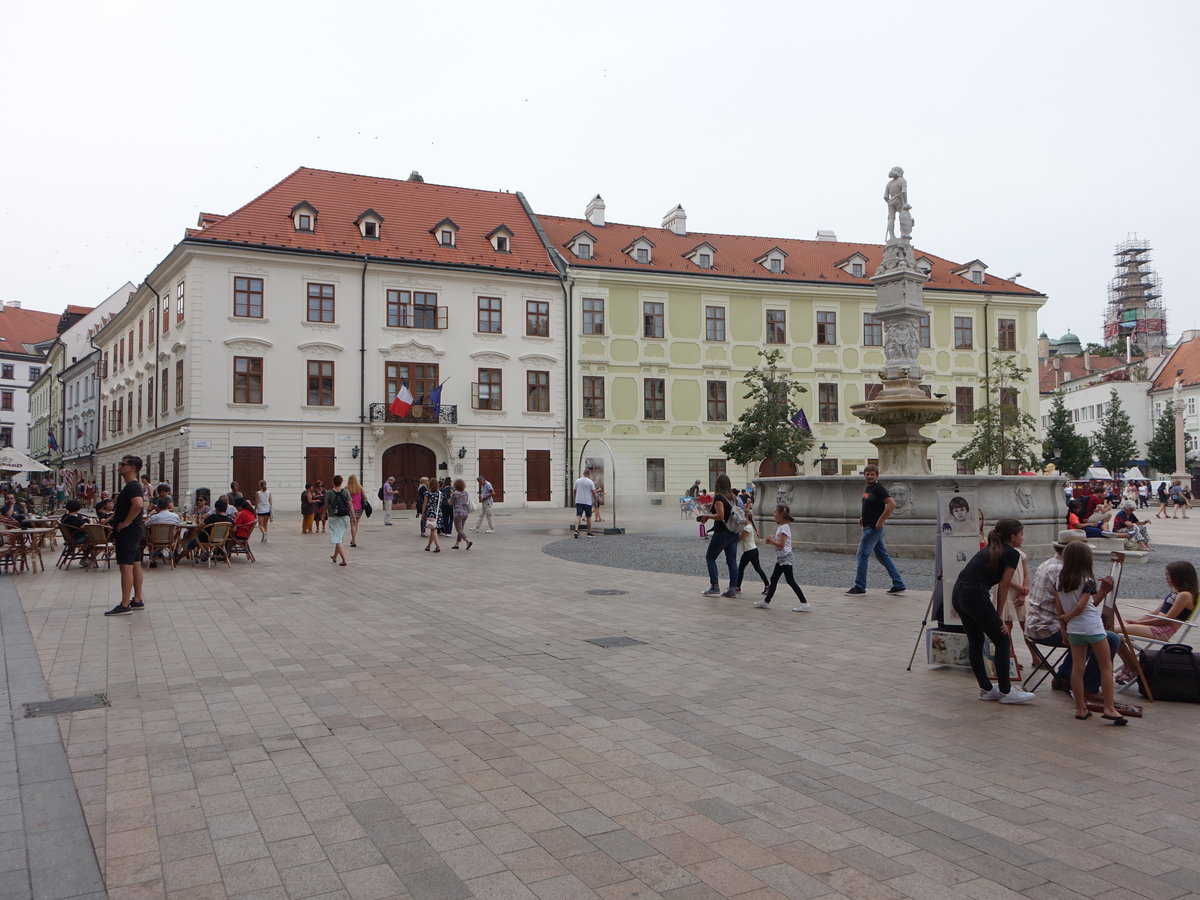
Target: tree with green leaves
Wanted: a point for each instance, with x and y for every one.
(1069, 450)
(1161, 449)
(1113, 443)
(764, 430)
(1160, 452)
(1005, 434)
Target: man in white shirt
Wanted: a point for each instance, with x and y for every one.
(486, 496)
(163, 514)
(585, 490)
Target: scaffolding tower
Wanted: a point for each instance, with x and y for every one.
(1135, 309)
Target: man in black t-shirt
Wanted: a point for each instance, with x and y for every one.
(127, 537)
(877, 506)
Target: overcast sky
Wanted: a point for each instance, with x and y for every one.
(1035, 136)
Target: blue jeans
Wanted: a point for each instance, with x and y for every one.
(1091, 672)
(722, 542)
(872, 542)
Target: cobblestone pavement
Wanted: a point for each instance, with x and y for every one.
(436, 725)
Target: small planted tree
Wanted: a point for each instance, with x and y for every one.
(1069, 450)
(765, 430)
(1005, 434)
(1160, 452)
(1113, 444)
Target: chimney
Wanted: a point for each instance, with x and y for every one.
(414, 175)
(1087, 367)
(675, 221)
(1058, 365)
(16, 304)
(826, 234)
(595, 213)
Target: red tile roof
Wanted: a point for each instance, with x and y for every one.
(20, 329)
(1054, 371)
(72, 309)
(736, 255)
(409, 210)
(1185, 356)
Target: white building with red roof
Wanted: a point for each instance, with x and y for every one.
(269, 342)
(21, 364)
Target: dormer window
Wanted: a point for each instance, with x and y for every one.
(925, 265)
(773, 260)
(501, 238)
(702, 256)
(446, 233)
(369, 223)
(641, 251)
(304, 217)
(974, 271)
(582, 245)
(854, 265)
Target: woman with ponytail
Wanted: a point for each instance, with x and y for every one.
(994, 565)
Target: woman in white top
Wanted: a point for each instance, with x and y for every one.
(749, 548)
(784, 561)
(262, 507)
(1078, 594)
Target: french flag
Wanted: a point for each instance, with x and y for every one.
(402, 403)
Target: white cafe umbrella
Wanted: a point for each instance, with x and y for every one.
(14, 461)
(1134, 474)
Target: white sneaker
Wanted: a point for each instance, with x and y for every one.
(762, 604)
(1016, 695)
(801, 607)
(993, 694)
(489, 531)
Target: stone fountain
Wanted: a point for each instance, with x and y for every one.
(827, 508)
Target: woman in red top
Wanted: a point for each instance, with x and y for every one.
(244, 521)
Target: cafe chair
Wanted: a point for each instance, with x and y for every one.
(28, 548)
(162, 538)
(74, 545)
(209, 539)
(240, 546)
(100, 547)
(8, 552)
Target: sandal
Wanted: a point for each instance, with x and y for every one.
(1116, 720)
(1124, 675)
(1081, 718)
(437, 549)
(427, 549)
(341, 563)
(470, 544)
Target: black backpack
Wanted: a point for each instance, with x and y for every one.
(341, 503)
(381, 495)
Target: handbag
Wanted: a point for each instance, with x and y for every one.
(366, 506)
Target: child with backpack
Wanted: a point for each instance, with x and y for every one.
(784, 561)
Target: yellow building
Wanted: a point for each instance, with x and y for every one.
(665, 324)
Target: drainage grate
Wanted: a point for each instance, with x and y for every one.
(606, 592)
(65, 705)
(615, 642)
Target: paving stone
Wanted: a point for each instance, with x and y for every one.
(480, 746)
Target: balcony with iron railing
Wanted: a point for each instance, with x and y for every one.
(420, 414)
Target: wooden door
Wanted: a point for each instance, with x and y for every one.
(774, 468)
(409, 463)
(537, 475)
(162, 468)
(491, 467)
(247, 468)
(318, 465)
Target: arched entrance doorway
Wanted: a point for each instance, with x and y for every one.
(409, 463)
(774, 468)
